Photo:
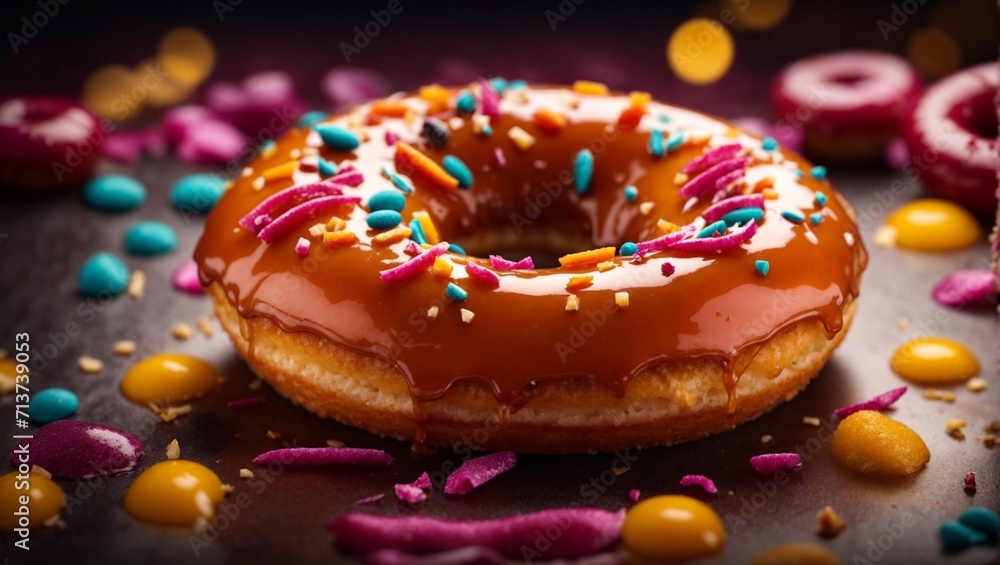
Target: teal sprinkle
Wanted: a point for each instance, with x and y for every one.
(384, 219)
(583, 170)
(769, 144)
(711, 229)
(52, 404)
(487, 130)
(978, 518)
(197, 194)
(816, 218)
(799, 174)
(102, 274)
(417, 232)
(955, 535)
(762, 267)
(387, 200)
(818, 172)
(326, 168)
(456, 293)
(150, 238)
(793, 216)
(310, 118)
(665, 118)
(499, 84)
(675, 141)
(743, 216)
(466, 102)
(456, 249)
(631, 194)
(656, 148)
(266, 145)
(338, 138)
(820, 199)
(457, 169)
(517, 84)
(400, 183)
(628, 249)
(114, 193)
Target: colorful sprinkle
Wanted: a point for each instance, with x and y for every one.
(675, 141)
(102, 274)
(816, 218)
(114, 193)
(456, 293)
(521, 138)
(390, 138)
(185, 277)
(326, 168)
(197, 194)
(820, 199)
(583, 170)
(590, 87)
(628, 249)
(442, 268)
(458, 169)
(482, 274)
(769, 463)
(549, 121)
(387, 200)
(880, 402)
(489, 100)
(397, 233)
(430, 231)
(711, 158)
(818, 172)
(579, 282)
(769, 144)
(479, 470)
(302, 246)
(436, 131)
(793, 216)
(309, 456)
(465, 103)
(631, 194)
(720, 209)
(762, 267)
(700, 480)
(337, 137)
(52, 404)
(501, 264)
(384, 219)
(590, 257)
(294, 216)
(712, 230)
(743, 216)
(408, 158)
(417, 232)
(732, 239)
(656, 148)
(705, 182)
(310, 118)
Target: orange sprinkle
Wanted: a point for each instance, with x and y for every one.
(430, 230)
(442, 268)
(335, 224)
(770, 194)
(630, 117)
(392, 236)
(579, 282)
(639, 99)
(667, 227)
(766, 182)
(584, 258)
(280, 171)
(339, 238)
(410, 159)
(390, 108)
(605, 266)
(549, 121)
(437, 95)
(590, 87)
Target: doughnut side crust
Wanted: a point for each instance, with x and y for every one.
(667, 404)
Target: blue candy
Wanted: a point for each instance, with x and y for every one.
(197, 194)
(982, 519)
(711, 229)
(816, 218)
(453, 248)
(656, 148)
(455, 292)
(384, 219)
(769, 144)
(762, 267)
(336, 137)
(387, 200)
(457, 169)
(150, 238)
(743, 216)
(326, 168)
(114, 193)
(793, 216)
(818, 172)
(675, 141)
(103, 274)
(820, 199)
(417, 231)
(310, 118)
(466, 102)
(583, 170)
(628, 249)
(52, 404)
(959, 536)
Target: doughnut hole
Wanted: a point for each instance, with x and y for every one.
(977, 115)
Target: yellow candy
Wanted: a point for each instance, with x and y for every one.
(700, 51)
(870, 442)
(169, 378)
(33, 496)
(174, 493)
(674, 528)
(934, 225)
(796, 553)
(934, 361)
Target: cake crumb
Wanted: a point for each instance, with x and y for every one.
(621, 299)
(645, 208)
(976, 384)
(205, 326)
(992, 427)
(124, 347)
(170, 413)
(174, 450)
(620, 470)
(467, 316)
(137, 284)
(521, 138)
(903, 324)
(255, 384)
(954, 427)
(828, 523)
(271, 434)
(182, 330)
(246, 474)
(811, 421)
(432, 312)
(932, 394)
(572, 303)
(885, 236)
(227, 488)
(334, 443)
(766, 438)
(989, 441)
(680, 178)
(317, 230)
(90, 365)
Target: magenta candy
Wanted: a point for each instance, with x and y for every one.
(348, 86)
(211, 142)
(307, 456)
(71, 449)
(771, 462)
(414, 492)
(967, 287)
(482, 273)
(704, 183)
(254, 104)
(475, 472)
(369, 499)
(700, 480)
(880, 402)
(489, 100)
(501, 264)
(634, 495)
(177, 121)
(185, 277)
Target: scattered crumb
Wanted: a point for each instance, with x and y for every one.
(828, 523)
(55, 522)
(170, 413)
(90, 365)
(976, 384)
(990, 441)
(182, 330)
(200, 526)
(948, 396)
(932, 394)
(621, 299)
(137, 284)
(317, 230)
(246, 474)
(885, 236)
(467, 316)
(432, 312)
(766, 438)
(992, 427)
(124, 347)
(903, 324)
(205, 326)
(811, 421)
(271, 434)
(257, 183)
(174, 450)
(255, 384)
(645, 208)
(954, 427)
(227, 488)
(40, 471)
(334, 443)
(680, 178)
(620, 470)
(572, 303)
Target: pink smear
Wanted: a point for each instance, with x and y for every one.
(369, 499)
(584, 531)
(489, 100)
(634, 495)
(705, 182)
(770, 462)
(415, 265)
(499, 157)
(248, 402)
(710, 158)
(967, 287)
(501, 264)
(325, 456)
(734, 238)
(475, 472)
(880, 402)
(294, 217)
(185, 277)
(699, 480)
(897, 154)
(482, 274)
(715, 212)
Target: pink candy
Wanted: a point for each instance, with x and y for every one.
(482, 274)
(185, 277)
(292, 218)
(880, 402)
(501, 264)
(475, 472)
(304, 456)
(967, 288)
(700, 480)
(772, 462)
(70, 449)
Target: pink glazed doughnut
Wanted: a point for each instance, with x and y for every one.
(850, 104)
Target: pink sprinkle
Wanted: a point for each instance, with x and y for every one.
(302, 246)
(771, 462)
(897, 154)
(722, 183)
(475, 472)
(489, 99)
(248, 402)
(292, 218)
(176, 121)
(700, 480)
(210, 142)
(663, 241)
(734, 238)
(482, 273)
(390, 138)
(413, 248)
(970, 481)
(471, 555)
(410, 494)
(292, 194)
(705, 182)
(423, 481)
(349, 176)
(369, 499)
(499, 157)
(667, 269)
(185, 277)
(584, 531)
(710, 158)
(880, 402)
(414, 265)
(967, 287)
(715, 212)
(301, 456)
(634, 495)
(501, 264)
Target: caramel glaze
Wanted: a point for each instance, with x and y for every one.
(716, 304)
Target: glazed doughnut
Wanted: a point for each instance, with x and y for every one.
(850, 104)
(952, 136)
(47, 143)
(693, 326)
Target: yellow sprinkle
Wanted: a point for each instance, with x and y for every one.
(137, 284)
(667, 227)
(766, 438)
(173, 450)
(257, 183)
(605, 266)
(338, 238)
(770, 194)
(811, 421)
(336, 224)
(579, 282)
(442, 268)
(182, 330)
(521, 138)
(392, 236)
(280, 171)
(90, 365)
(885, 236)
(955, 424)
(976, 384)
(646, 208)
(432, 312)
(590, 87)
(467, 316)
(639, 99)
(572, 303)
(317, 230)
(621, 299)
(430, 230)
(205, 326)
(124, 347)
(680, 178)
(246, 474)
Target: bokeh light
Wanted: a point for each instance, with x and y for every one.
(700, 51)
(105, 89)
(160, 91)
(757, 15)
(187, 55)
(934, 52)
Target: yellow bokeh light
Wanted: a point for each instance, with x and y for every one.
(757, 15)
(107, 89)
(700, 51)
(934, 52)
(160, 91)
(187, 55)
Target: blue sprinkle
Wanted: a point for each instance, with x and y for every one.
(52, 404)
(466, 102)
(517, 84)
(628, 249)
(150, 238)
(583, 170)
(455, 292)
(711, 229)
(400, 183)
(336, 137)
(417, 232)
(114, 193)
(310, 118)
(818, 172)
(979, 518)
(197, 194)
(102, 274)
(675, 141)
(326, 168)
(487, 130)
(959, 536)
(799, 174)
(267, 145)
(743, 216)
(456, 249)
(387, 200)
(762, 267)
(656, 148)
(499, 84)
(793, 216)
(384, 219)
(665, 118)
(816, 218)
(457, 169)
(631, 194)
(820, 199)
(769, 144)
